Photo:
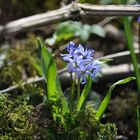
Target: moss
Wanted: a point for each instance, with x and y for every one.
(19, 63)
(93, 128)
(14, 119)
(23, 122)
(79, 126)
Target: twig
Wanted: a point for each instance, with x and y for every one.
(29, 81)
(122, 57)
(112, 70)
(74, 11)
(120, 137)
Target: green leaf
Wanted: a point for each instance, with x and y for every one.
(84, 35)
(84, 94)
(98, 30)
(129, 37)
(67, 30)
(106, 100)
(84, 32)
(105, 60)
(54, 90)
(38, 69)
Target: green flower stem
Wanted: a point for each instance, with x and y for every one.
(129, 38)
(78, 90)
(84, 94)
(72, 93)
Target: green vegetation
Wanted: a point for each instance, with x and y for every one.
(43, 110)
(21, 121)
(14, 118)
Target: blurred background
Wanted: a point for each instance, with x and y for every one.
(19, 54)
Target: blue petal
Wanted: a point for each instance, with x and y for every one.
(83, 79)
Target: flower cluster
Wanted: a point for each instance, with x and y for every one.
(81, 62)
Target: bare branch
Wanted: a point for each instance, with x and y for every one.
(117, 71)
(74, 11)
(29, 81)
(108, 10)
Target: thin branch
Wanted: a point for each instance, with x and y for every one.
(108, 10)
(122, 69)
(74, 11)
(29, 81)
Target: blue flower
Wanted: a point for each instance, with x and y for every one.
(81, 62)
(139, 19)
(70, 48)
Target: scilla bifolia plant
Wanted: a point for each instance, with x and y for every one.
(76, 121)
(82, 68)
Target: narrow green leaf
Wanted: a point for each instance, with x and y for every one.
(84, 94)
(129, 38)
(106, 100)
(38, 69)
(98, 30)
(105, 60)
(50, 74)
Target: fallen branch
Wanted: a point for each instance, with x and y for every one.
(119, 71)
(29, 81)
(74, 11)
